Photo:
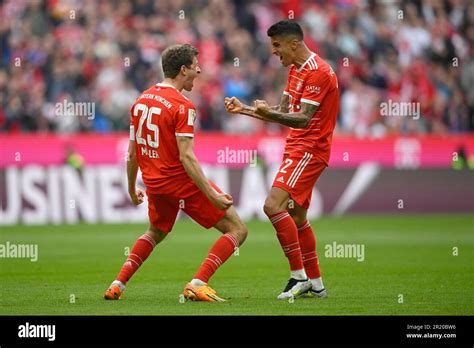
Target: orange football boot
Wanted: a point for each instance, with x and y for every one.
(113, 293)
(201, 293)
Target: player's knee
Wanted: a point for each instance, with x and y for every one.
(157, 234)
(299, 220)
(271, 208)
(239, 231)
(242, 234)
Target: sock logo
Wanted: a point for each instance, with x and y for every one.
(37, 331)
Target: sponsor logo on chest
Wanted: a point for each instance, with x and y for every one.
(313, 89)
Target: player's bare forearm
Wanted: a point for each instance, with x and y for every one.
(221, 201)
(137, 196)
(132, 171)
(192, 166)
(295, 120)
(235, 106)
(195, 172)
(251, 111)
(132, 167)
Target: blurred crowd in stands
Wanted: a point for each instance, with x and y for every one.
(107, 52)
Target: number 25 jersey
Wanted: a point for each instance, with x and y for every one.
(158, 116)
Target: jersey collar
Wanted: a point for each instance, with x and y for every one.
(165, 85)
(160, 84)
(306, 62)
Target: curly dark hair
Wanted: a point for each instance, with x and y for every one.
(174, 57)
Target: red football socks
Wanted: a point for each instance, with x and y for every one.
(219, 253)
(140, 252)
(287, 234)
(308, 250)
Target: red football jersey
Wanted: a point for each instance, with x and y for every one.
(159, 115)
(315, 83)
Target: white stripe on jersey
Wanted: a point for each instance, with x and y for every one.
(304, 100)
(293, 76)
(303, 143)
(313, 64)
(295, 91)
(307, 60)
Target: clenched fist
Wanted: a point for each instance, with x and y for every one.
(233, 105)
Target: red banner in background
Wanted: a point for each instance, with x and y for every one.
(236, 150)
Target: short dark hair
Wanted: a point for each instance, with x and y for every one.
(174, 57)
(286, 28)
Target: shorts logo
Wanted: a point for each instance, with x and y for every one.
(313, 89)
(281, 179)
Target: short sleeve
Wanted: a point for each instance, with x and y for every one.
(185, 117)
(317, 85)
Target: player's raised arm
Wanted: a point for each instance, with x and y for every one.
(193, 168)
(278, 114)
(294, 119)
(262, 111)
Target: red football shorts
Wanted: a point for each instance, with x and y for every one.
(163, 209)
(298, 174)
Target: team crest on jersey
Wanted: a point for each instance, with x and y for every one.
(191, 117)
(313, 89)
(299, 85)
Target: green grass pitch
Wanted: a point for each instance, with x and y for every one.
(428, 259)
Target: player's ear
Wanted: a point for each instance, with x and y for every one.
(294, 43)
(183, 69)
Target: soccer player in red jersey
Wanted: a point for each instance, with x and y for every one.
(309, 106)
(161, 145)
